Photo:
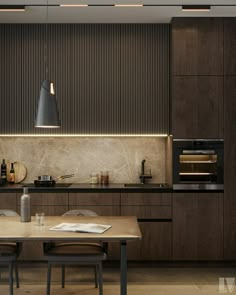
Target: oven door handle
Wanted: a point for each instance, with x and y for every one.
(199, 152)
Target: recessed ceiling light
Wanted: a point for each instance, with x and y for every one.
(128, 5)
(12, 8)
(74, 5)
(196, 8)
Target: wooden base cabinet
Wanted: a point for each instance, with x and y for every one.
(155, 243)
(107, 204)
(154, 214)
(8, 201)
(198, 226)
(52, 204)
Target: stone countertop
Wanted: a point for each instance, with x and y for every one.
(85, 187)
(96, 188)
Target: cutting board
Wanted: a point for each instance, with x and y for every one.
(20, 171)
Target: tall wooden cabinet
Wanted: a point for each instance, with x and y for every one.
(230, 169)
(230, 46)
(197, 78)
(197, 46)
(197, 106)
(198, 226)
(230, 138)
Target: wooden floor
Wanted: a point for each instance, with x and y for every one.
(142, 280)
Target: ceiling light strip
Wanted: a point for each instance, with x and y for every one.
(128, 5)
(196, 8)
(112, 5)
(12, 8)
(74, 5)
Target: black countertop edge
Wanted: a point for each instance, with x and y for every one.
(111, 188)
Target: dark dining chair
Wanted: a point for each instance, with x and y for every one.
(80, 253)
(9, 252)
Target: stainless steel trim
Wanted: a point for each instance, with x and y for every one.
(198, 186)
(199, 139)
(199, 152)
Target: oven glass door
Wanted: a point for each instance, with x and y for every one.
(198, 166)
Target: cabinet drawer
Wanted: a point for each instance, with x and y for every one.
(148, 199)
(147, 212)
(48, 210)
(100, 210)
(8, 201)
(46, 199)
(95, 199)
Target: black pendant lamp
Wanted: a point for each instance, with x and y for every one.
(47, 115)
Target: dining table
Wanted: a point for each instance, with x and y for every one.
(123, 229)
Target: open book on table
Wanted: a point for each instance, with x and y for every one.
(82, 227)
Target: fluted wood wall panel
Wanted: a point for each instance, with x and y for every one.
(109, 79)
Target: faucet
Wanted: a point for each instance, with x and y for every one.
(144, 176)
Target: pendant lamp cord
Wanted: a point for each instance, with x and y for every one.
(46, 45)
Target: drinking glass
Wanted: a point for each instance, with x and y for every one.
(39, 218)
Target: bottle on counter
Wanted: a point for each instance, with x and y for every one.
(12, 174)
(104, 177)
(4, 171)
(25, 215)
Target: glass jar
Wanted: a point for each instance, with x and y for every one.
(93, 178)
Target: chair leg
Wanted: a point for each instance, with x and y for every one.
(63, 276)
(49, 278)
(96, 275)
(10, 278)
(17, 275)
(100, 279)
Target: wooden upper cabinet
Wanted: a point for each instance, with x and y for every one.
(230, 46)
(197, 46)
(109, 78)
(197, 106)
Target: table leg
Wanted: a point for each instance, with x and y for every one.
(123, 268)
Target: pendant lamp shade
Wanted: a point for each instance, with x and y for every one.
(47, 115)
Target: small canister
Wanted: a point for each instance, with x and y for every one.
(104, 177)
(93, 178)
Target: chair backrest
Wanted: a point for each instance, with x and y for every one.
(7, 212)
(80, 212)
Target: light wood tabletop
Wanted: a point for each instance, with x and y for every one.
(122, 228)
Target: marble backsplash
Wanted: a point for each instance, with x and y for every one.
(56, 156)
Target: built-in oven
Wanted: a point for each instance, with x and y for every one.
(198, 162)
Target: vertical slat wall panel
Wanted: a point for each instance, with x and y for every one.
(109, 79)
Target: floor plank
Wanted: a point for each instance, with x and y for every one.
(141, 281)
